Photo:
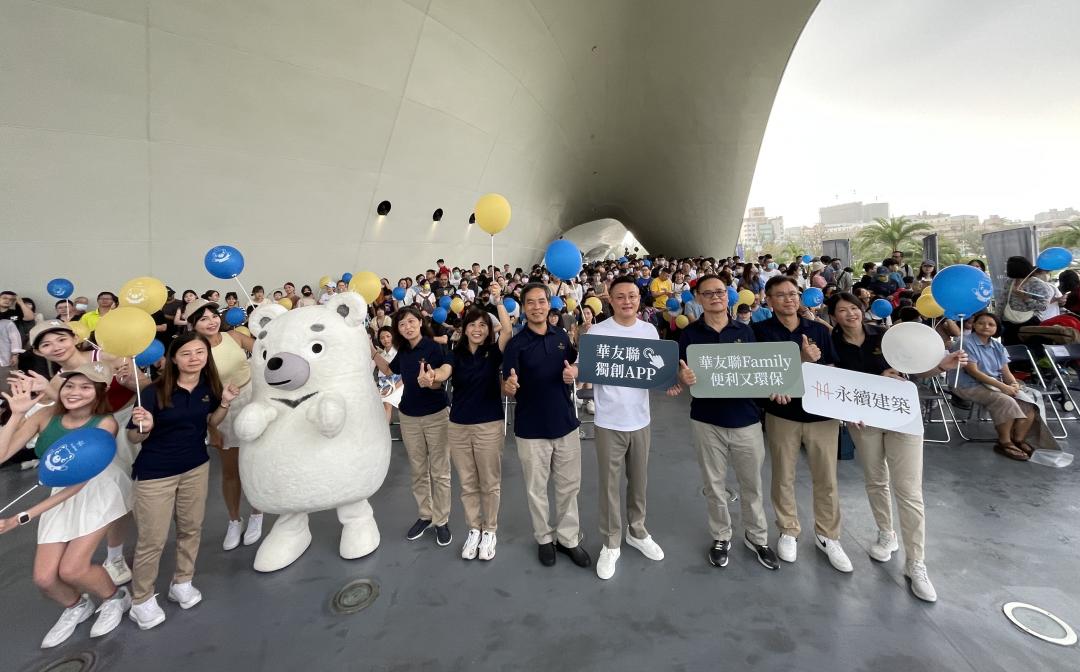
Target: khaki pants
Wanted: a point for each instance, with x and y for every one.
(614, 450)
(821, 440)
(157, 502)
(429, 460)
(892, 463)
(744, 449)
(558, 460)
(476, 451)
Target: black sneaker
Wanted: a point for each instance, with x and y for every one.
(765, 555)
(577, 554)
(418, 529)
(547, 554)
(442, 534)
(718, 553)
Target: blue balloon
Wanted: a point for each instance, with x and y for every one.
(399, 293)
(812, 297)
(563, 259)
(673, 304)
(557, 303)
(445, 300)
(509, 304)
(153, 352)
(235, 316)
(60, 288)
(881, 308)
(623, 260)
(1054, 259)
(687, 296)
(224, 261)
(647, 263)
(439, 315)
(806, 258)
(347, 277)
(732, 296)
(76, 457)
(962, 290)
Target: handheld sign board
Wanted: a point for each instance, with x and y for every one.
(853, 396)
(627, 362)
(745, 370)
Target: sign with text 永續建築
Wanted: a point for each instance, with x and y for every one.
(747, 370)
(853, 396)
(627, 362)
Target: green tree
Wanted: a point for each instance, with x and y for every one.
(1063, 236)
(878, 240)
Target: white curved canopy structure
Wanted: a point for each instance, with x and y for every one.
(135, 134)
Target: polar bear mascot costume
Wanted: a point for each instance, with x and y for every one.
(314, 436)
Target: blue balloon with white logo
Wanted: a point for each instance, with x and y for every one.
(60, 288)
(687, 296)
(673, 304)
(76, 457)
(732, 296)
(399, 293)
(439, 315)
(623, 260)
(557, 303)
(152, 353)
(881, 308)
(224, 262)
(235, 316)
(445, 300)
(1054, 259)
(647, 263)
(812, 297)
(962, 290)
(806, 258)
(510, 304)
(347, 277)
(563, 259)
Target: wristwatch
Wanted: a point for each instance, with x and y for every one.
(23, 518)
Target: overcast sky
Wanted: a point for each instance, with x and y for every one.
(958, 106)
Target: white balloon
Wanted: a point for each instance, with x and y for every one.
(912, 347)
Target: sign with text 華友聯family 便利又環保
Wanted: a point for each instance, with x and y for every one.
(853, 396)
(627, 362)
(747, 370)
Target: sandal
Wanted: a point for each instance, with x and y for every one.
(1010, 451)
(1026, 447)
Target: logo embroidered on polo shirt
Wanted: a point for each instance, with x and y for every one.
(206, 399)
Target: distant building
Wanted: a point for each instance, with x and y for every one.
(845, 216)
(950, 225)
(1055, 216)
(759, 230)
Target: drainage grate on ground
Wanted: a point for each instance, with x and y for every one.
(355, 596)
(1040, 623)
(80, 662)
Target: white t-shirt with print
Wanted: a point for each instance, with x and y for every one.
(623, 409)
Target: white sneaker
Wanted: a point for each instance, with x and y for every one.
(468, 551)
(920, 582)
(148, 614)
(111, 612)
(605, 564)
(487, 545)
(118, 570)
(233, 534)
(883, 548)
(184, 593)
(787, 548)
(69, 619)
(649, 548)
(832, 548)
(254, 529)
(590, 407)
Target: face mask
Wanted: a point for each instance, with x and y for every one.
(81, 306)
(546, 278)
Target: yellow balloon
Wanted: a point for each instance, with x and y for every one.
(681, 321)
(457, 305)
(285, 301)
(242, 330)
(145, 293)
(571, 305)
(367, 285)
(492, 213)
(82, 332)
(594, 303)
(125, 331)
(747, 297)
(928, 306)
(324, 281)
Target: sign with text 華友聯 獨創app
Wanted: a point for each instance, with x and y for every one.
(751, 370)
(627, 362)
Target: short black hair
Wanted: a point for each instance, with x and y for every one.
(1018, 267)
(535, 285)
(622, 280)
(779, 279)
(707, 276)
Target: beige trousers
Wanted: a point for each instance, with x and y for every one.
(892, 463)
(476, 451)
(429, 461)
(157, 502)
(821, 440)
(558, 460)
(744, 449)
(615, 450)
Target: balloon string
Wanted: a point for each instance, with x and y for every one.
(138, 389)
(492, 278)
(19, 497)
(247, 297)
(957, 382)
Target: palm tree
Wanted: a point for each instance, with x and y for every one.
(1067, 236)
(886, 235)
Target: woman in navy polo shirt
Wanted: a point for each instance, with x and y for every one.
(172, 470)
(422, 366)
(476, 423)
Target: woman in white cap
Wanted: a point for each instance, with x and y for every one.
(74, 519)
(231, 350)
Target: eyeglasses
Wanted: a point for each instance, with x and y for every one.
(713, 293)
(787, 296)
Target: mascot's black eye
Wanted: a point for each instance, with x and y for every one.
(264, 355)
(316, 348)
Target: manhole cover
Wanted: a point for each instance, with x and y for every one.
(355, 596)
(1040, 623)
(81, 662)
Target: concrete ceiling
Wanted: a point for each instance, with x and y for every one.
(135, 134)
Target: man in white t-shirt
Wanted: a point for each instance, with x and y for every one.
(622, 438)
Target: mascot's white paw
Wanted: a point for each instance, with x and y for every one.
(328, 414)
(253, 420)
(285, 543)
(360, 534)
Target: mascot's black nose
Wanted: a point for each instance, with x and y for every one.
(274, 364)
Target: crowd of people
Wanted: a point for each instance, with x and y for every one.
(452, 348)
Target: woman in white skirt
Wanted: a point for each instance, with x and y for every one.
(73, 519)
(390, 386)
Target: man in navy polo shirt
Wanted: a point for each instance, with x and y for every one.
(725, 431)
(537, 369)
(788, 427)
